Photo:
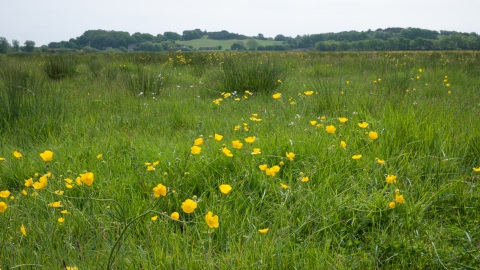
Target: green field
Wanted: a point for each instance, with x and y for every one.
(226, 44)
(334, 160)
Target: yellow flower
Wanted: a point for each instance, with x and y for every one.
(363, 125)
(380, 161)
(3, 207)
(323, 118)
(154, 218)
(212, 221)
(55, 204)
(277, 95)
(359, 156)
(59, 192)
(47, 156)
(313, 122)
(308, 93)
(263, 167)
(330, 129)
(198, 142)
(71, 268)
(236, 128)
(279, 81)
(290, 155)
(24, 192)
(218, 137)
(99, 156)
(270, 172)
(448, 85)
(160, 190)
(283, 186)
(275, 168)
(17, 154)
(342, 119)
(87, 178)
(399, 198)
(150, 168)
(2, 159)
(305, 179)
(476, 169)
(42, 183)
(373, 135)
(391, 179)
(263, 231)
(195, 150)
(65, 212)
(188, 206)
(237, 144)
(227, 152)
(175, 215)
(391, 205)
(343, 144)
(225, 189)
(61, 220)
(281, 163)
(23, 230)
(4, 193)
(250, 139)
(256, 151)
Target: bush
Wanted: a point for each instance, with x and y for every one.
(57, 67)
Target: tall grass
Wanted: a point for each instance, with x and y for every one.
(58, 67)
(323, 208)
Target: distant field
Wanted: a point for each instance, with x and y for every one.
(204, 42)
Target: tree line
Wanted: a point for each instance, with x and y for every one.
(380, 39)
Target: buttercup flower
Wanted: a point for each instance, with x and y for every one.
(308, 93)
(256, 151)
(23, 230)
(290, 155)
(359, 156)
(29, 182)
(342, 119)
(391, 205)
(323, 118)
(343, 144)
(380, 161)
(61, 220)
(227, 152)
(373, 135)
(263, 231)
(55, 204)
(476, 169)
(198, 142)
(363, 125)
(391, 179)
(175, 215)
(160, 190)
(313, 122)
(188, 206)
(218, 137)
(2, 158)
(277, 95)
(47, 156)
(250, 139)
(99, 156)
(305, 179)
(42, 183)
(87, 178)
(154, 218)
(399, 198)
(195, 150)
(17, 154)
(212, 221)
(3, 207)
(330, 129)
(225, 189)
(237, 144)
(4, 193)
(283, 186)
(263, 167)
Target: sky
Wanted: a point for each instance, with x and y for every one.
(56, 20)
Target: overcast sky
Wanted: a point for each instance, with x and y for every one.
(56, 20)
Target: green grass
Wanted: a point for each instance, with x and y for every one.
(340, 218)
(226, 44)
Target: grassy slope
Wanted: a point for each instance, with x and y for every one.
(205, 42)
(338, 219)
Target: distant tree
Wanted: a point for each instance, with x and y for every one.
(172, 36)
(15, 45)
(167, 45)
(4, 45)
(260, 37)
(252, 44)
(147, 46)
(192, 34)
(280, 37)
(237, 46)
(88, 49)
(29, 46)
(219, 47)
(159, 38)
(43, 49)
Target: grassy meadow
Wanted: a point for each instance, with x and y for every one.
(226, 44)
(295, 160)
